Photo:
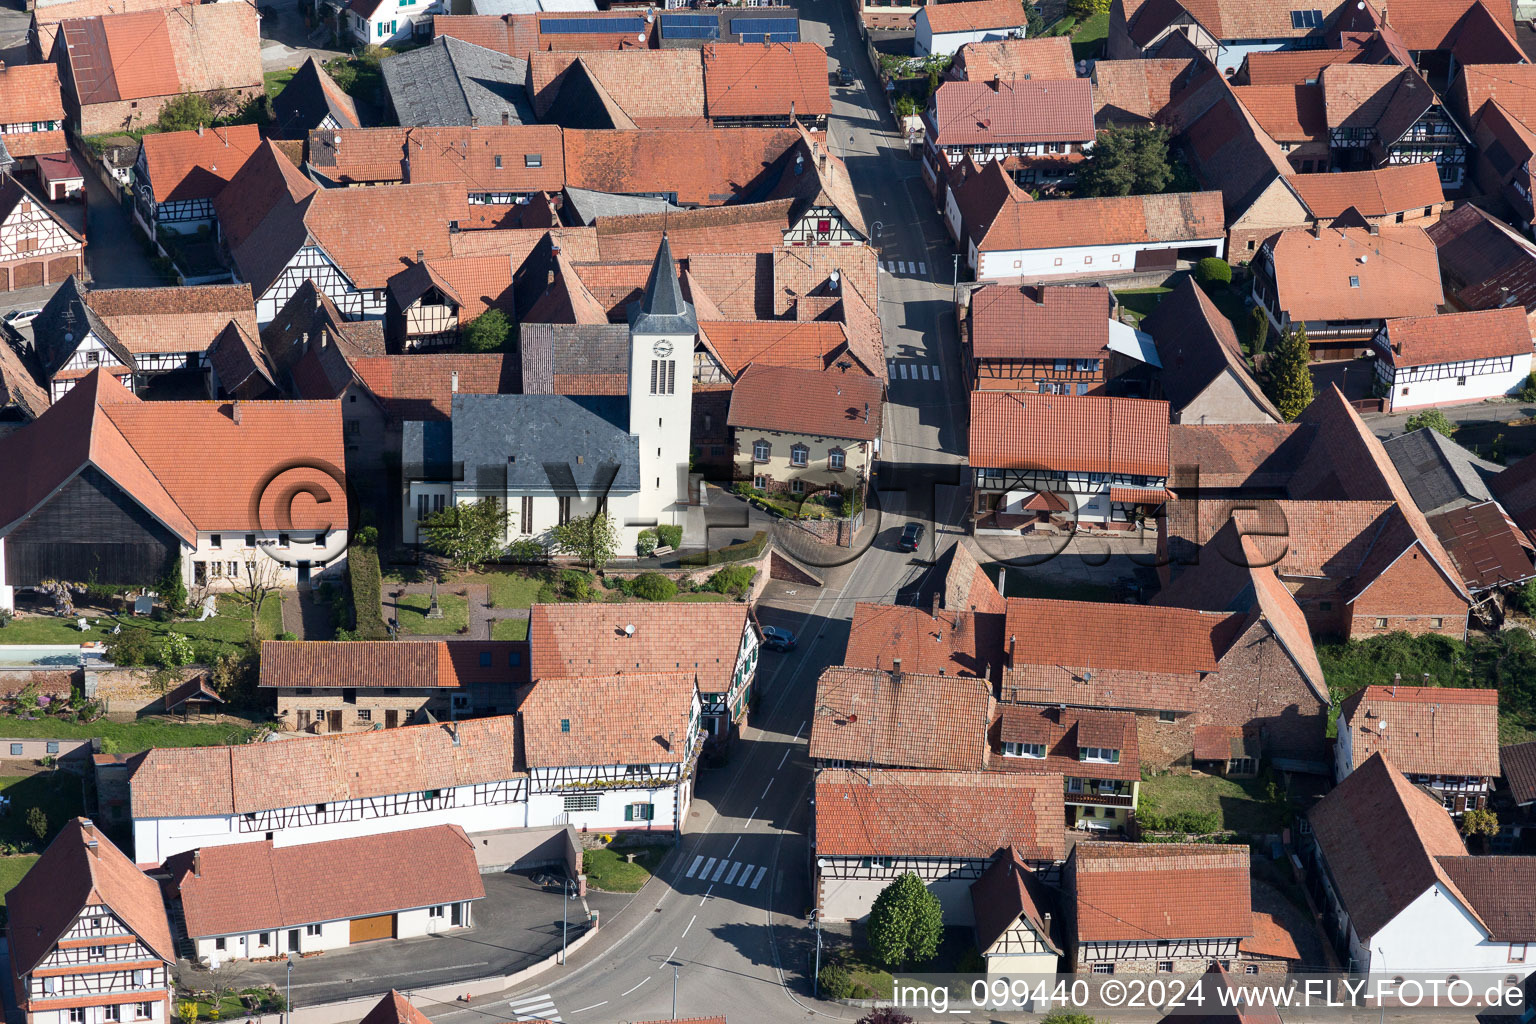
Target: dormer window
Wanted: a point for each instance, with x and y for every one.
(1033, 750)
(1103, 755)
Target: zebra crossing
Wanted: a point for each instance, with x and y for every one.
(908, 267)
(724, 871)
(534, 1008)
(900, 370)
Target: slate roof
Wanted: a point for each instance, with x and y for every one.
(941, 642)
(441, 664)
(1379, 193)
(189, 782)
(756, 80)
(1016, 111)
(1517, 765)
(662, 309)
(1438, 472)
(197, 164)
(830, 403)
(933, 814)
(1119, 220)
(1428, 730)
(1140, 892)
(1046, 322)
(311, 96)
(1008, 892)
(466, 84)
(1455, 337)
(868, 715)
(1399, 278)
(639, 718)
(571, 640)
(256, 886)
(1383, 838)
(585, 206)
(1197, 344)
(69, 876)
(1084, 433)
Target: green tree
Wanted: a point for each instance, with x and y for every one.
(468, 534)
(1481, 823)
(1434, 419)
(175, 651)
(37, 821)
(1067, 1017)
(592, 539)
(1290, 377)
(1034, 24)
(653, 586)
(487, 332)
(1127, 160)
(905, 923)
(1213, 270)
(172, 590)
(1085, 9)
(1260, 329)
(186, 112)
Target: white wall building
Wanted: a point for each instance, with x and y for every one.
(1452, 357)
(944, 28)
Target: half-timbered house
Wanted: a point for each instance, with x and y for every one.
(348, 687)
(1095, 752)
(1445, 739)
(769, 83)
(874, 825)
(300, 791)
(612, 752)
(238, 902)
(721, 652)
(178, 174)
(1380, 114)
(1040, 129)
(1156, 908)
(36, 246)
(31, 112)
(826, 210)
(1452, 357)
(88, 936)
(431, 301)
(1043, 461)
(1019, 928)
(1051, 338)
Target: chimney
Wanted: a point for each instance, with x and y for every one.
(197, 863)
(1375, 228)
(420, 256)
(1317, 229)
(896, 669)
(91, 845)
(453, 731)
(324, 337)
(474, 122)
(937, 603)
(304, 343)
(234, 412)
(1013, 640)
(318, 303)
(199, 131)
(961, 620)
(1397, 677)
(455, 382)
(88, 826)
(997, 81)
(1045, 919)
(506, 119)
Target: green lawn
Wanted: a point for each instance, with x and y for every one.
(1025, 584)
(225, 632)
(511, 589)
(509, 629)
(1140, 302)
(277, 81)
(1240, 804)
(1088, 37)
(56, 792)
(11, 871)
(704, 597)
(130, 737)
(412, 611)
(607, 869)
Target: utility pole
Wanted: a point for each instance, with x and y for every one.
(288, 1001)
(674, 991)
(816, 978)
(565, 917)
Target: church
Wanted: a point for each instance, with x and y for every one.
(603, 425)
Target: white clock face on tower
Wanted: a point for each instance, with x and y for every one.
(662, 349)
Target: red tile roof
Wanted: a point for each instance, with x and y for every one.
(590, 640)
(1007, 893)
(1500, 891)
(1018, 111)
(1287, 113)
(190, 782)
(492, 158)
(1397, 270)
(197, 164)
(950, 642)
(421, 385)
(1433, 24)
(620, 718)
(1064, 732)
(651, 88)
(174, 319)
(1133, 91)
(365, 664)
(253, 887)
(1012, 59)
(973, 16)
(913, 721)
(1294, 67)
(1103, 635)
(394, 1008)
(68, 877)
(703, 166)
(144, 54)
(1454, 337)
(938, 814)
(1130, 892)
(1118, 220)
(1428, 730)
(29, 92)
(754, 79)
(1081, 433)
(1379, 193)
(1045, 322)
(829, 404)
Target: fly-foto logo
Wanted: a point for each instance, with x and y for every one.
(300, 508)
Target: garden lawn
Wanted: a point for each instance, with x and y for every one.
(225, 633)
(57, 792)
(131, 737)
(509, 629)
(11, 871)
(1240, 804)
(510, 589)
(276, 81)
(1089, 36)
(608, 870)
(412, 612)
(1021, 583)
(703, 597)
(1140, 302)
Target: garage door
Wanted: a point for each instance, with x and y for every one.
(27, 274)
(366, 929)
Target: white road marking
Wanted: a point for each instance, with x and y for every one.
(922, 268)
(673, 953)
(701, 902)
(730, 879)
(692, 919)
(769, 786)
(642, 982)
(720, 870)
(733, 846)
(705, 873)
(781, 762)
(534, 1008)
(903, 371)
(696, 862)
(759, 879)
(798, 731)
(924, 368)
(751, 816)
(594, 1006)
(935, 372)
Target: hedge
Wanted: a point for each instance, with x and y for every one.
(730, 553)
(367, 592)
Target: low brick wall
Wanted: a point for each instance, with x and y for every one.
(128, 691)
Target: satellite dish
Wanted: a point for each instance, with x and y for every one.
(629, 629)
(640, 38)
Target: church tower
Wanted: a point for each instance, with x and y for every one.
(662, 331)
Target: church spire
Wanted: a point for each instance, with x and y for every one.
(662, 309)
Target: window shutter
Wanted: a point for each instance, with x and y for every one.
(629, 812)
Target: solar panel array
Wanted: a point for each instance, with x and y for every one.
(690, 26)
(555, 26)
(752, 30)
(1306, 19)
(770, 37)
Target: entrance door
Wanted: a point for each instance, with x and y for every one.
(367, 929)
(456, 915)
(333, 721)
(303, 572)
(391, 719)
(293, 940)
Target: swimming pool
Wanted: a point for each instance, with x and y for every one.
(44, 655)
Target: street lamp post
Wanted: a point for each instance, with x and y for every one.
(816, 978)
(288, 1001)
(565, 918)
(674, 991)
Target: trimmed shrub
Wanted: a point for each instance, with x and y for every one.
(733, 580)
(670, 535)
(653, 586)
(132, 647)
(367, 592)
(730, 553)
(575, 585)
(525, 552)
(645, 543)
(1213, 270)
(835, 982)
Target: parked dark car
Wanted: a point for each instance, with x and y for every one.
(776, 639)
(845, 75)
(911, 536)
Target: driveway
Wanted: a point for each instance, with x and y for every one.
(517, 924)
(114, 252)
